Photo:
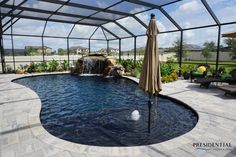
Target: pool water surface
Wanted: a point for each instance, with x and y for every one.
(95, 110)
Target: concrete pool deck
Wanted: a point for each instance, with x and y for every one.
(22, 134)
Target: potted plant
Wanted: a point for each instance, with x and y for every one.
(186, 71)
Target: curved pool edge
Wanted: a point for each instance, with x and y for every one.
(136, 80)
(41, 134)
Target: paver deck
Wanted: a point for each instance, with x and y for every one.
(22, 134)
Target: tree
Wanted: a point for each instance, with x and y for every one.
(207, 49)
(231, 43)
(176, 48)
(60, 51)
(30, 51)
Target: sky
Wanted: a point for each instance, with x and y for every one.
(187, 13)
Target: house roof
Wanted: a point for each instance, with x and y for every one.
(230, 34)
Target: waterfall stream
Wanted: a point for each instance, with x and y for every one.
(93, 65)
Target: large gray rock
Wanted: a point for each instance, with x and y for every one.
(98, 65)
(116, 71)
(90, 65)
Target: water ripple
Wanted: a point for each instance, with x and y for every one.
(96, 111)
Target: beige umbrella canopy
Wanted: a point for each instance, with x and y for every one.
(150, 78)
(230, 34)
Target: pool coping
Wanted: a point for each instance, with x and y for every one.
(179, 144)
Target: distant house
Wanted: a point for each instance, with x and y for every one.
(38, 50)
(113, 51)
(79, 50)
(192, 48)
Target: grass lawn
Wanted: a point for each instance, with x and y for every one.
(210, 62)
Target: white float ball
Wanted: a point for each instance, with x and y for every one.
(135, 115)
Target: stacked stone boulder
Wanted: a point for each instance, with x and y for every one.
(110, 68)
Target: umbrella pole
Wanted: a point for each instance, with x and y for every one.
(149, 115)
(156, 105)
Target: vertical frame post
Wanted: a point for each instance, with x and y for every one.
(43, 48)
(68, 51)
(107, 47)
(180, 52)
(135, 50)
(2, 49)
(13, 51)
(89, 46)
(119, 50)
(218, 47)
(12, 42)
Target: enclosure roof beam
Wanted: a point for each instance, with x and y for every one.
(24, 35)
(110, 32)
(170, 18)
(170, 3)
(156, 7)
(90, 16)
(211, 12)
(139, 21)
(13, 9)
(12, 18)
(77, 5)
(71, 31)
(52, 15)
(53, 20)
(57, 13)
(3, 2)
(93, 33)
(10, 25)
(126, 30)
(104, 34)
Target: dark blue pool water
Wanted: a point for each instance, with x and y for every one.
(96, 111)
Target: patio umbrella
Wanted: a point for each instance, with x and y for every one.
(150, 78)
(230, 34)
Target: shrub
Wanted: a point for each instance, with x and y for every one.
(42, 67)
(53, 65)
(166, 69)
(169, 78)
(187, 68)
(127, 64)
(65, 65)
(31, 67)
(136, 72)
(9, 69)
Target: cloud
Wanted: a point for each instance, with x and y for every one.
(82, 31)
(116, 29)
(102, 4)
(132, 25)
(98, 34)
(190, 6)
(187, 13)
(136, 10)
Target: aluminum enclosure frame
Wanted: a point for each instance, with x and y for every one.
(16, 17)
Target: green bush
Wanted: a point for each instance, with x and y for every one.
(65, 65)
(127, 64)
(31, 67)
(53, 65)
(167, 69)
(136, 72)
(187, 68)
(42, 67)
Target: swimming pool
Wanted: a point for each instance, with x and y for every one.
(96, 110)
